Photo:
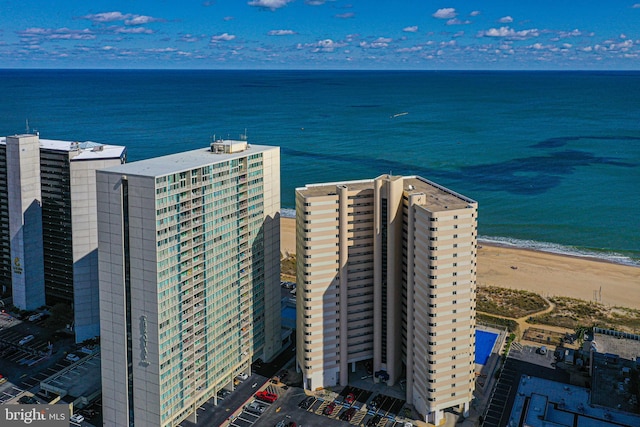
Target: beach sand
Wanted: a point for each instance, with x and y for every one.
(541, 272)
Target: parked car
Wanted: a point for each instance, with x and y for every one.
(307, 402)
(266, 396)
(328, 410)
(223, 393)
(77, 418)
(282, 423)
(375, 402)
(292, 424)
(348, 414)
(255, 408)
(242, 376)
(350, 398)
(72, 357)
(3, 379)
(26, 339)
(35, 317)
(28, 400)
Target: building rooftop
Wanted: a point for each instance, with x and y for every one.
(624, 345)
(439, 198)
(87, 150)
(80, 380)
(185, 161)
(546, 403)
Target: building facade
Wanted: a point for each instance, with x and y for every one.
(189, 278)
(48, 225)
(386, 272)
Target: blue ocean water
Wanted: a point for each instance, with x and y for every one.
(553, 158)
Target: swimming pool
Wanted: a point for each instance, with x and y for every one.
(484, 344)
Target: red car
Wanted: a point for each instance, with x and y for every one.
(328, 410)
(349, 399)
(265, 396)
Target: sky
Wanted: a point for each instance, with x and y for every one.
(321, 34)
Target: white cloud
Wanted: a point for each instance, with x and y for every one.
(326, 45)
(107, 17)
(474, 13)
(128, 18)
(636, 6)
(228, 18)
(162, 50)
(281, 32)
(347, 15)
(573, 33)
(409, 49)
(445, 13)
(505, 20)
(130, 30)
(222, 37)
(456, 21)
(315, 2)
(141, 19)
(412, 29)
(189, 38)
(510, 33)
(380, 42)
(269, 4)
(57, 34)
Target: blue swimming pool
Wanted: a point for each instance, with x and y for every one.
(484, 344)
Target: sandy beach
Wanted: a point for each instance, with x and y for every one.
(541, 272)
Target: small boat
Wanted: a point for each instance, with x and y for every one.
(399, 114)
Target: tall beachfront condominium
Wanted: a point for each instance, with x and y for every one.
(48, 225)
(386, 272)
(189, 278)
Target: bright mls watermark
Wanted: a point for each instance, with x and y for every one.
(34, 415)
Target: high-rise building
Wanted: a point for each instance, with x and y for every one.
(386, 272)
(48, 225)
(189, 278)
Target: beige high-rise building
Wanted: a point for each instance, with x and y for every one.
(387, 275)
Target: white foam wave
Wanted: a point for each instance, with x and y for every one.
(556, 248)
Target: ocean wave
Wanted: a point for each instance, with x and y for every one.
(558, 249)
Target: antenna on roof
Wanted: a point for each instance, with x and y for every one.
(27, 124)
(243, 137)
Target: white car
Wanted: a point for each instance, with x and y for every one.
(77, 418)
(72, 357)
(26, 339)
(243, 376)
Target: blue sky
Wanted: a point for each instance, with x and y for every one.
(321, 34)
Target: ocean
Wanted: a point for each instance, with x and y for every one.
(553, 158)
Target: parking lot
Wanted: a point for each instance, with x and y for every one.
(366, 408)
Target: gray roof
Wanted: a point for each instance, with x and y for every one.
(184, 161)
